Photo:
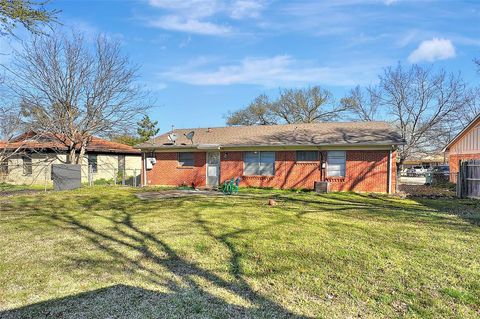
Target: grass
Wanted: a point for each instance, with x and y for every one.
(6, 187)
(101, 252)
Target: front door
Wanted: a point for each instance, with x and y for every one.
(213, 169)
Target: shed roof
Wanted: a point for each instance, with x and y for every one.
(34, 141)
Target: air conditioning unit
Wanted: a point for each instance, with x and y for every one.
(150, 162)
(321, 187)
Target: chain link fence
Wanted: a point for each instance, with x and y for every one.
(427, 184)
(39, 175)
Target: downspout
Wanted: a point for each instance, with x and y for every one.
(145, 181)
(389, 191)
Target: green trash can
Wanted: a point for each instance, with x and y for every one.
(428, 178)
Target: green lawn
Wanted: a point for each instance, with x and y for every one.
(4, 188)
(101, 252)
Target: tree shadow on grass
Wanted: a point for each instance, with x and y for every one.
(150, 257)
(124, 301)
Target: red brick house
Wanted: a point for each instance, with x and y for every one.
(350, 156)
(464, 146)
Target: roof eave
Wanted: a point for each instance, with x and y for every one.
(218, 146)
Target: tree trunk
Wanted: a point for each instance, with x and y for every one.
(71, 156)
(81, 154)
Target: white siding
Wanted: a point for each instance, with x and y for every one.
(41, 173)
(469, 143)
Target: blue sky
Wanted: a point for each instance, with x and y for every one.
(203, 58)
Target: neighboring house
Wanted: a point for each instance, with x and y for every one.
(34, 154)
(351, 156)
(464, 146)
(424, 160)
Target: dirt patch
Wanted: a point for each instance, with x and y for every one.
(176, 194)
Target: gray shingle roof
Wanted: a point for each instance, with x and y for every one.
(326, 133)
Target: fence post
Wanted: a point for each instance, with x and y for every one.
(135, 177)
(90, 177)
(46, 175)
(123, 177)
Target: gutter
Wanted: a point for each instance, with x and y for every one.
(389, 189)
(218, 146)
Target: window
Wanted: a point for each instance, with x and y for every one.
(336, 164)
(121, 163)
(4, 167)
(307, 156)
(92, 162)
(185, 159)
(27, 165)
(259, 163)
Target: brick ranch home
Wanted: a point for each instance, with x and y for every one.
(464, 146)
(350, 156)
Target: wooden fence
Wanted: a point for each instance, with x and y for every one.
(468, 184)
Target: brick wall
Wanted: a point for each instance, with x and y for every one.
(167, 172)
(453, 163)
(288, 173)
(366, 171)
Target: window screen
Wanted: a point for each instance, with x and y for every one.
(92, 162)
(27, 165)
(185, 159)
(259, 163)
(336, 164)
(306, 156)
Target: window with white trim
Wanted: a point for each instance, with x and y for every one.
(92, 162)
(186, 159)
(336, 162)
(259, 163)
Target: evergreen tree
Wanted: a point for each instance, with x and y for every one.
(147, 129)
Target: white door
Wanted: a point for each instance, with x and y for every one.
(213, 169)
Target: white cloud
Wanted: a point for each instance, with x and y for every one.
(280, 70)
(193, 15)
(245, 9)
(390, 2)
(190, 25)
(432, 50)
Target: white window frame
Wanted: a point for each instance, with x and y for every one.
(93, 158)
(182, 164)
(258, 171)
(332, 158)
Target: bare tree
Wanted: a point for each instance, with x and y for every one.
(258, 112)
(420, 102)
(10, 126)
(363, 104)
(72, 90)
(309, 105)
